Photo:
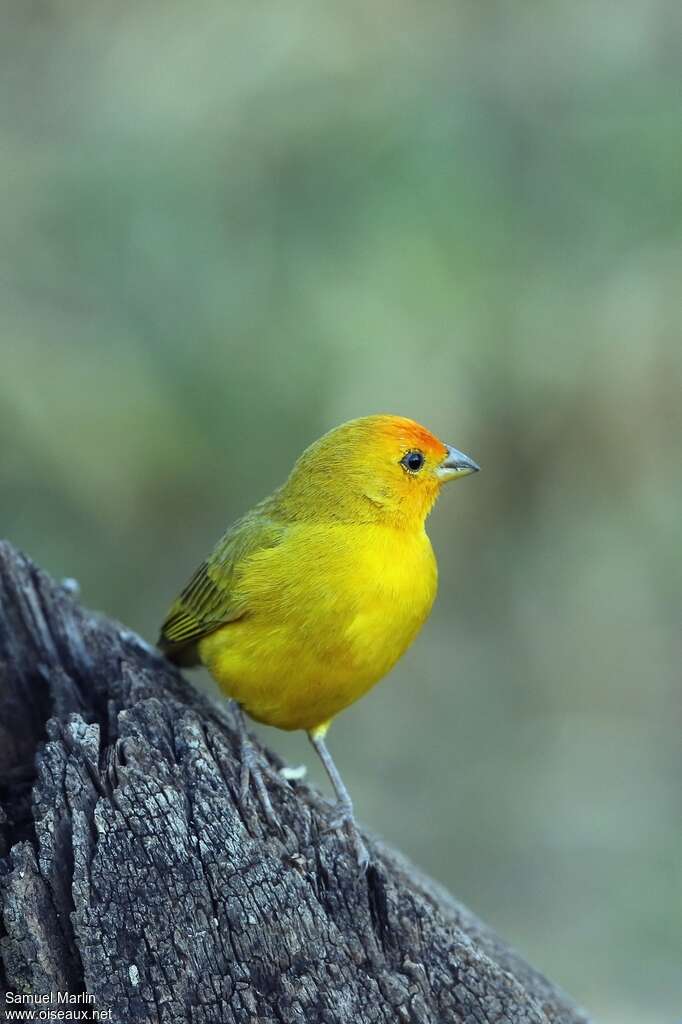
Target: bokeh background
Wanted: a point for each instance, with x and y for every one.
(227, 228)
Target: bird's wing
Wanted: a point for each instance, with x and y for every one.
(213, 598)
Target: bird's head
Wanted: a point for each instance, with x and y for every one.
(376, 467)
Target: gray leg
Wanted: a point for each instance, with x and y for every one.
(250, 769)
(343, 809)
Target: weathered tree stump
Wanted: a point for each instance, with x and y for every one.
(131, 877)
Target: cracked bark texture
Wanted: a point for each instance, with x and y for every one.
(129, 871)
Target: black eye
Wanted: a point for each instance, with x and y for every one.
(413, 461)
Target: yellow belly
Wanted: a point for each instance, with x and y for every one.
(330, 613)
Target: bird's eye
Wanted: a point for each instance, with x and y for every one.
(413, 461)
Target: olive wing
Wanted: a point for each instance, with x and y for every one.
(213, 597)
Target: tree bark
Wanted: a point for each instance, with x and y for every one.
(129, 871)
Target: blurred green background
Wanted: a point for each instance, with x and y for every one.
(228, 227)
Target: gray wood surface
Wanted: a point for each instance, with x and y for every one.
(128, 870)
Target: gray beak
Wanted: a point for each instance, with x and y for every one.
(456, 464)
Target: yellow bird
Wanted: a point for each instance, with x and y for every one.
(312, 597)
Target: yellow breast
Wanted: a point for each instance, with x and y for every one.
(314, 641)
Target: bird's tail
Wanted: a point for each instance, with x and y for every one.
(182, 655)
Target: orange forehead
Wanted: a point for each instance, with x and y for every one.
(410, 434)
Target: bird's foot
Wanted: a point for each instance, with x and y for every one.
(343, 820)
(251, 771)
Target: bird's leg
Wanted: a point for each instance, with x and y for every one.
(251, 770)
(343, 809)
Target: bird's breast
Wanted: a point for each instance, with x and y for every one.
(330, 613)
(394, 583)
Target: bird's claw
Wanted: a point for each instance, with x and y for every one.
(250, 770)
(343, 820)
